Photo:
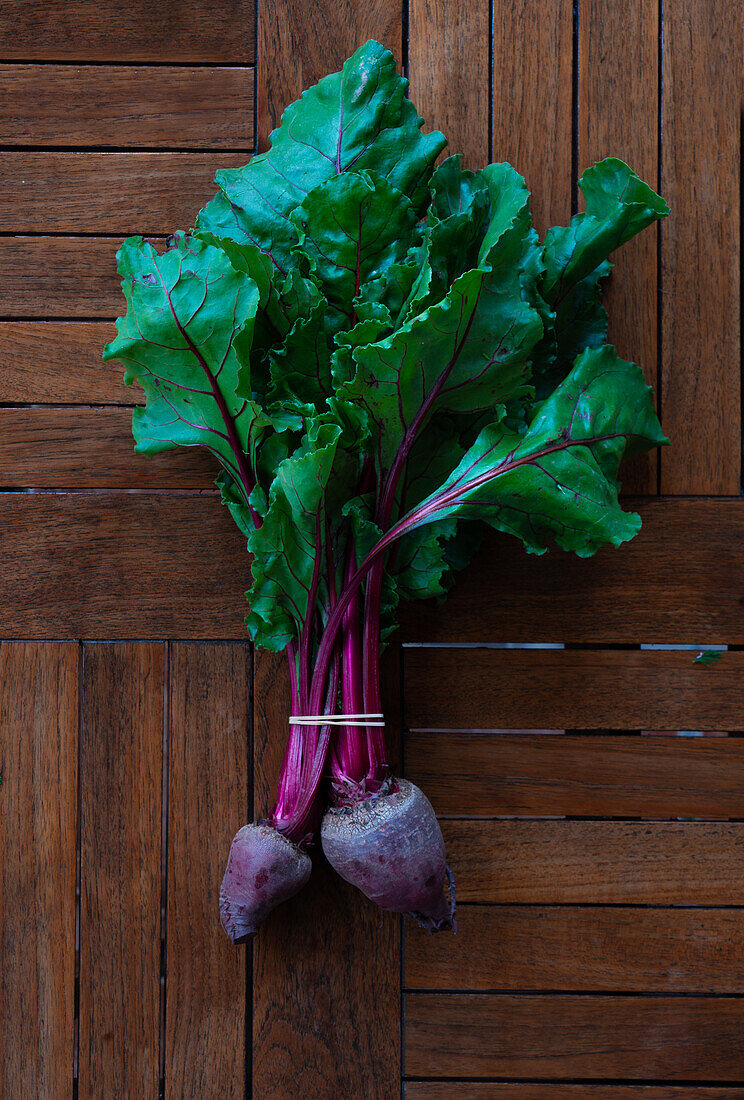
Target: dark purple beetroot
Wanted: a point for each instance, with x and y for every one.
(264, 868)
(391, 847)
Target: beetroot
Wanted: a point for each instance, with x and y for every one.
(264, 868)
(390, 846)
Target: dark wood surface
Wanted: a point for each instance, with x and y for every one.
(532, 104)
(599, 955)
(585, 689)
(39, 706)
(618, 62)
(126, 193)
(208, 748)
(451, 82)
(485, 1090)
(547, 862)
(452, 1035)
(110, 105)
(121, 784)
(700, 261)
(538, 774)
(578, 949)
(102, 564)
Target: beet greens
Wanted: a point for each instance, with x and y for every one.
(379, 351)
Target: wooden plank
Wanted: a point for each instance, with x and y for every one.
(487, 1090)
(208, 784)
(674, 1038)
(106, 192)
(122, 565)
(90, 449)
(38, 810)
(326, 955)
(128, 30)
(300, 43)
(618, 115)
(451, 84)
(471, 774)
(70, 277)
(59, 362)
(86, 566)
(532, 80)
(679, 581)
(700, 263)
(583, 689)
(126, 106)
(588, 862)
(121, 785)
(582, 950)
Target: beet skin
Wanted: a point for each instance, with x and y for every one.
(264, 868)
(391, 847)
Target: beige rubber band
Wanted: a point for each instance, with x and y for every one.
(336, 720)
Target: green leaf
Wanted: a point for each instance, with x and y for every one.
(186, 309)
(353, 228)
(559, 480)
(289, 542)
(349, 121)
(618, 205)
(306, 499)
(467, 353)
(578, 322)
(708, 657)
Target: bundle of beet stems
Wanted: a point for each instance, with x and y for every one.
(382, 356)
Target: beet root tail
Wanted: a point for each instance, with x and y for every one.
(264, 868)
(391, 847)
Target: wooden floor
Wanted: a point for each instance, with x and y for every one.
(591, 790)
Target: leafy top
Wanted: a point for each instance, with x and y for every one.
(379, 352)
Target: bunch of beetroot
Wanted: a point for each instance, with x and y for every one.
(381, 356)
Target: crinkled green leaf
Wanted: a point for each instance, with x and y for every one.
(578, 322)
(467, 353)
(288, 543)
(618, 205)
(353, 228)
(558, 481)
(185, 310)
(353, 120)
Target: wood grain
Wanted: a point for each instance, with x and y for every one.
(700, 262)
(59, 362)
(69, 277)
(123, 565)
(121, 784)
(128, 30)
(300, 43)
(451, 85)
(108, 193)
(328, 954)
(679, 580)
(471, 774)
(38, 809)
(487, 1090)
(209, 743)
(532, 94)
(618, 115)
(584, 689)
(581, 950)
(83, 566)
(124, 106)
(90, 449)
(673, 1038)
(591, 862)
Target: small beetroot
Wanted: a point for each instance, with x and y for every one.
(391, 847)
(264, 868)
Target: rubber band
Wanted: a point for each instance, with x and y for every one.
(337, 720)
